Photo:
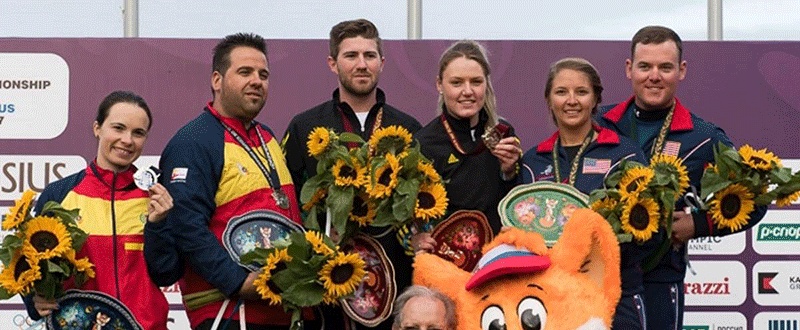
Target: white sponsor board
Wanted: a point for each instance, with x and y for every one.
(34, 95)
(717, 283)
(726, 245)
(714, 321)
(17, 319)
(776, 321)
(22, 172)
(776, 283)
(778, 233)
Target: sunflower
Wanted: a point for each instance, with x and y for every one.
(329, 300)
(385, 179)
(363, 210)
(605, 203)
(82, 265)
(19, 276)
(318, 196)
(640, 218)
(17, 213)
(318, 243)
(635, 181)
(393, 139)
(731, 206)
(342, 274)
(431, 201)
(430, 173)
(276, 262)
(674, 166)
(347, 175)
(786, 200)
(48, 237)
(319, 141)
(758, 159)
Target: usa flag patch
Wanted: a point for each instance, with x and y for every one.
(598, 166)
(671, 148)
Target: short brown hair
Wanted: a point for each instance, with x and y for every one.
(655, 34)
(351, 29)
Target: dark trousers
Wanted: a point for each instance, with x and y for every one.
(664, 305)
(630, 313)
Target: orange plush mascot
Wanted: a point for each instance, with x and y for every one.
(520, 284)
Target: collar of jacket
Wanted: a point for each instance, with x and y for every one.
(462, 124)
(681, 119)
(380, 100)
(124, 178)
(604, 136)
(234, 123)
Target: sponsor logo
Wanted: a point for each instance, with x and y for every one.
(777, 321)
(715, 283)
(714, 321)
(179, 174)
(452, 159)
(728, 245)
(776, 283)
(34, 92)
(764, 283)
(22, 172)
(778, 233)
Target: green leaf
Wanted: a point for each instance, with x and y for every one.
(765, 199)
(78, 237)
(5, 295)
(257, 256)
(350, 137)
(712, 187)
(384, 215)
(340, 203)
(304, 294)
(781, 176)
(11, 243)
(403, 208)
(311, 186)
(53, 267)
(311, 219)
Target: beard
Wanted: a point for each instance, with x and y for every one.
(358, 90)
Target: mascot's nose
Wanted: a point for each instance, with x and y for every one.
(530, 321)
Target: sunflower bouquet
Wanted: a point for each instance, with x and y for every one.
(641, 198)
(306, 270)
(381, 182)
(38, 254)
(740, 180)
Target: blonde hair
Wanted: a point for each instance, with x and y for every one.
(471, 50)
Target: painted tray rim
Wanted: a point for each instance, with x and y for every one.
(256, 215)
(97, 296)
(391, 286)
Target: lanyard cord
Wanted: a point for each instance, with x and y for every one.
(573, 172)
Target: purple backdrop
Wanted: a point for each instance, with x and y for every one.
(748, 88)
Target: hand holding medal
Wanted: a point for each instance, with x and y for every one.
(506, 148)
(160, 199)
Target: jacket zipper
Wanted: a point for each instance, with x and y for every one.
(114, 232)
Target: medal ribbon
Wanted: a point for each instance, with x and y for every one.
(658, 146)
(573, 172)
(272, 174)
(454, 140)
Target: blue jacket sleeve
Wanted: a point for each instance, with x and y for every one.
(164, 264)
(192, 163)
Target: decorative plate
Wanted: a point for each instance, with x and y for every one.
(372, 301)
(256, 229)
(80, 310)
(542, 207)
(461, 237)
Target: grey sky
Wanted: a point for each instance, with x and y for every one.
(442, 19)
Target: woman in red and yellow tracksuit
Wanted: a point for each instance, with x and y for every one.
(113, 212)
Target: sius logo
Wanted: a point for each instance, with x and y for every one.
(765, 283)
(779, 232)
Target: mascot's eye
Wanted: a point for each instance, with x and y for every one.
(532, 314)
(493, 319)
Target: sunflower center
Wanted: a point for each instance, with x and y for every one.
(730, 206)
(341, 273)
(21, 267)
(634, 185)
(386, 177)
(348, 172)
(360, 207)
(639, 217)
(758, 161)
(44, 241)
(426, 200)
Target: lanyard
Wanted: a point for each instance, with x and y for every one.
(658, 145)
(272, 174)
(573, 172)
(454, 140)
(349, 128)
